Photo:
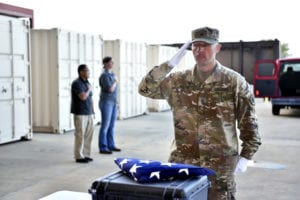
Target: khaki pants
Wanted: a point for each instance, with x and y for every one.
(84, 129)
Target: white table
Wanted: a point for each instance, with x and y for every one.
(67, 195)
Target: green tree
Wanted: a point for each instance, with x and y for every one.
(285, 50)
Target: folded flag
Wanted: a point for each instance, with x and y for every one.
(144, 171)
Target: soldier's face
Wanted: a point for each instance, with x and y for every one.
(205, 53)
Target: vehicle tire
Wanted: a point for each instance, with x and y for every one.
(275, 110)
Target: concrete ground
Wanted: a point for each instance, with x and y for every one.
(33, 169)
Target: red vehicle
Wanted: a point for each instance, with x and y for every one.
(278, 80)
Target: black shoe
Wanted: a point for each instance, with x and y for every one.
(82, 160)
(88, 159)
(105, 152)
(115, 149)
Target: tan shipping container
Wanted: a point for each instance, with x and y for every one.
(56, 54)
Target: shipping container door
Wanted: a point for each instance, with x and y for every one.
(68, 61)
(6, 78)
(93, 57)
(124, 86)
(21, 83)
(97, 69)
(6, 106)
(265, 79)
(15, 98)
(140, 72)
(21, 97)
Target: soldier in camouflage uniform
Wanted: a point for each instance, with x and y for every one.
(209, 102)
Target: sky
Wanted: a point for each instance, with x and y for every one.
(171, 21)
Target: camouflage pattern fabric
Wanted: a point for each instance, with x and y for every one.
(206, 117)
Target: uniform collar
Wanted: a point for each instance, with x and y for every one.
(214, 77)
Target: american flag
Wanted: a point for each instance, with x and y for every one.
(145, 171)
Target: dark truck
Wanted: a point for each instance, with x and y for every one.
(278, 80)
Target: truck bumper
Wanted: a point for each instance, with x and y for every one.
(286, 101)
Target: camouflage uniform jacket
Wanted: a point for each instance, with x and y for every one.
(206, 115)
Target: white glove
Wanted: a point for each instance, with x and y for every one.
(242, 165)
(179, 54)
